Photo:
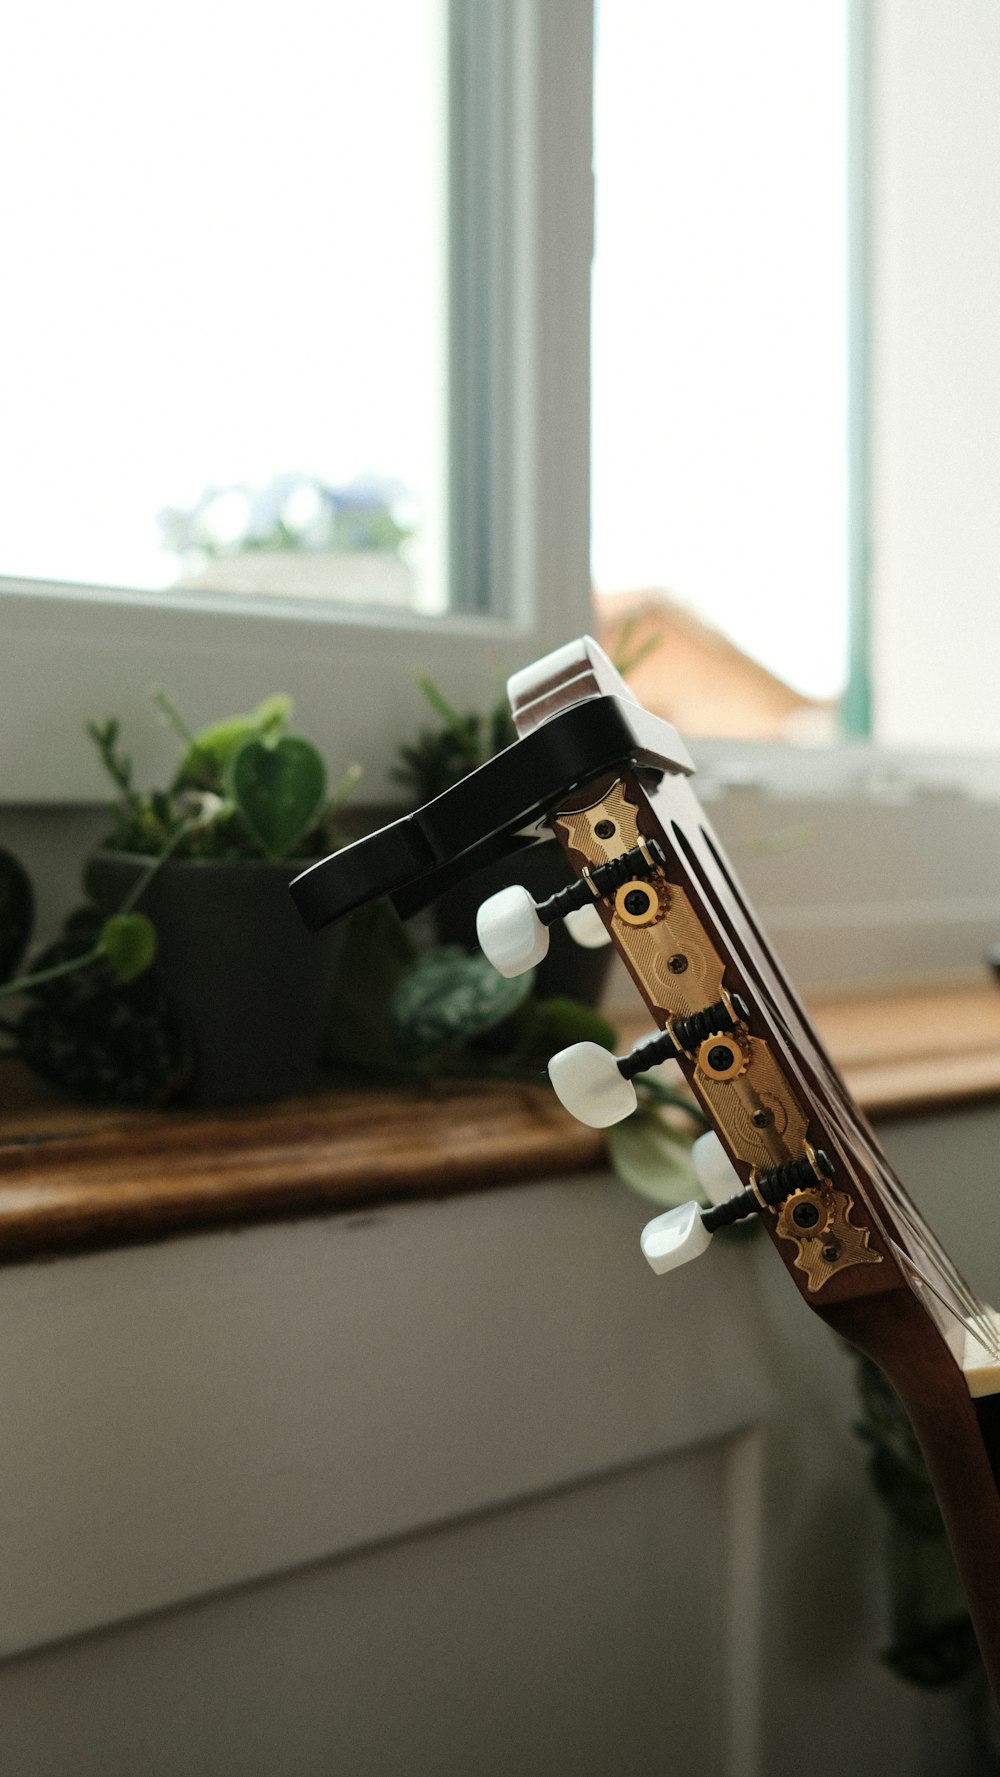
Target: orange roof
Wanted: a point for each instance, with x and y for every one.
(694, 676)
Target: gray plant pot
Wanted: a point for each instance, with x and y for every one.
(251, 984)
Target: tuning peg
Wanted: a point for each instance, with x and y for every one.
(510, 932)
(587, 1080)
(513, 929)
(675, 1237)
(596, 1086)
(717, 1175)
(586, 927)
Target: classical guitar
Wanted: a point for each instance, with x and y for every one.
(790, 1147)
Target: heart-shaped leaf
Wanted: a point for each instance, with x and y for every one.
(17, 913)
(654, 1159)
(214, 748)
(279, 789)
(129, 943)
(447, 996)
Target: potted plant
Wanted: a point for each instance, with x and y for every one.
(247, 807)
(436, 759)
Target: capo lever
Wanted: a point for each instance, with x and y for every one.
(493, 812)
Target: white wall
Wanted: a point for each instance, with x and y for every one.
(935, 392)
(445, 1488)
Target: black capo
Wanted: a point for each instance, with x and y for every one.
(495, 811)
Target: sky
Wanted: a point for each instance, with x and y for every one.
(225, 260)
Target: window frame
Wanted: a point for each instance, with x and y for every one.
(521, 202)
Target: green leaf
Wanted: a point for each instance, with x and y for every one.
(128, 940)
(657, 1090)
(654, 1159)
(273, 713)
(628, 654)
(379, 949)
(447, 996)
(346, 787)
(214, 748)
(17, 913)
(280, 789)
(465, 727)
(546, 1026)
(117, 765)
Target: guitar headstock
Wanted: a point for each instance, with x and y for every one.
(612, 784)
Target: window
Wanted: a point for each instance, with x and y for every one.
(505, 500)
(173, 447)
(847, 152)
(225, 367)
(720, 359)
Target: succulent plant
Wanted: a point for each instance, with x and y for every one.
(96, 1032)
(94, 1016)
(440, 756)
(244, 788)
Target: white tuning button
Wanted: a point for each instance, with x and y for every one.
(587, 1081)
(586, 927)
(717, 1175)
(510, 932)
(672, 1239)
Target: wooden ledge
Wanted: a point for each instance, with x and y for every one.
(75, 1176)
(920, 1050)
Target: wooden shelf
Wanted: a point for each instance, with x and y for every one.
(902, 1053)
(83, 1176)
(76, 1176)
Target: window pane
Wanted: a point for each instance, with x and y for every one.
(222, 363)
(720, 355)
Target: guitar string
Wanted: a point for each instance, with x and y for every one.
(907, 1212)
(908, 1265)
(895, 1193)
(951, 1288)
(972, 1313)
(935, 1251)
(839, 1095)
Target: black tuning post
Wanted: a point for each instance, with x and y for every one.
(648, 1052)
(640, 863)
(715, 1020)
(770, 1192)
(596, 1087)
(513, 929)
